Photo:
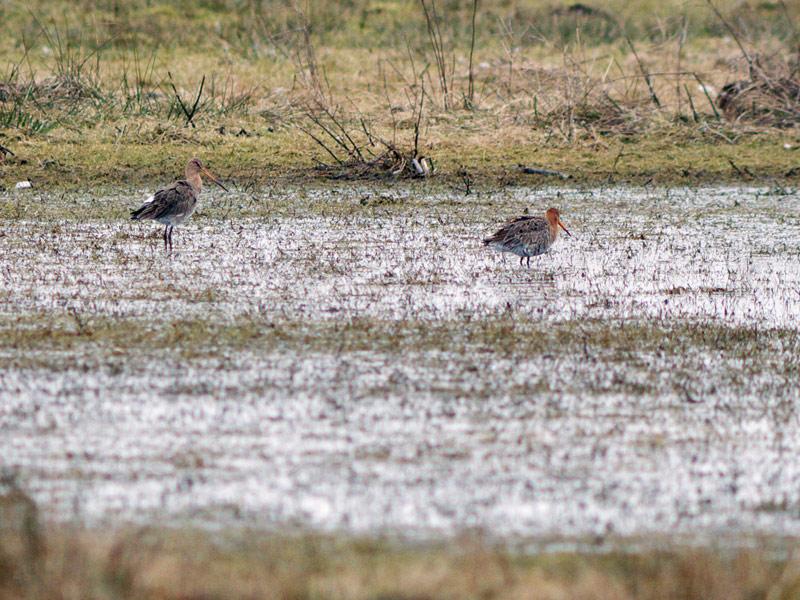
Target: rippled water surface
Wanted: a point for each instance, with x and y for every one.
(355, 360)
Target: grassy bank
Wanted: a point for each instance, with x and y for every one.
(286, 158)
(105, 93)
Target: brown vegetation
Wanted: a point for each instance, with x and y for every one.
(398, 80)
(42, 563)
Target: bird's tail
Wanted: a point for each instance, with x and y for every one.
(146, 211)
(142, 212)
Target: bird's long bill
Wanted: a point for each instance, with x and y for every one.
(560, 224)
(214, 179)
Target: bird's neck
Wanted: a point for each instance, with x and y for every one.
(195, 181)
(553, 230)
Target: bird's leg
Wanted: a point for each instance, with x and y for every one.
(171, 228)
(520, 260)
(166, 227)
(529, 262)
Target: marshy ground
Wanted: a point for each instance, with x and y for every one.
(357, 362)
(350, 363)
(331, 389)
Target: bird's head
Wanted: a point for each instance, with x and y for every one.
(554, 218)
(195, 168)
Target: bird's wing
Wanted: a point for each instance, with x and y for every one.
(524, 218)
(535, 235)
(175, 199)
(512, 230)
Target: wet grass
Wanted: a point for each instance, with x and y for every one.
(637, 359)
(329, 200)
(330, 343)
(513, 336)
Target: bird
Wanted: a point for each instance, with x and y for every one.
(528, 236)
(175, 203)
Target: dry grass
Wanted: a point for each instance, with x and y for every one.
(41, 562)
(562, 80)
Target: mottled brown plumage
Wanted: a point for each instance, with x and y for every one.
(175, 203)
(528, 236)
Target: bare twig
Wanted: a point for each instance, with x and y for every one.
(466, 181)
(437, 44)
(708, 97)
(471, 88)
(620, 154)
(741, 172)
(353, 153)
(691, 104)
(795, 36)
(389, 105)
(681, 41)
(735, 36)
(315, 118)
(189, 114)
(321, 143)
(419, 118)
(545, 172)
(353, 148)
(4, 151)
(645, 73)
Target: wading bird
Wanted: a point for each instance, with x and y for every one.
(528, 236)
(175, 203)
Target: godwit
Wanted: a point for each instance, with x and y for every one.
(175, 203)
(528, 236)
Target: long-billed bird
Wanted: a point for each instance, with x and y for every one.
(528, 236)
(175, 203)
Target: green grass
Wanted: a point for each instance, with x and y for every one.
(245, 27)
(665, 158)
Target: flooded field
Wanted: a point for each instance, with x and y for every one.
(355, 360)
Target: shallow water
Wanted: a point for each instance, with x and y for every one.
(463, 432)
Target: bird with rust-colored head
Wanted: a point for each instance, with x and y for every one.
(175, 203)
(528, 236)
